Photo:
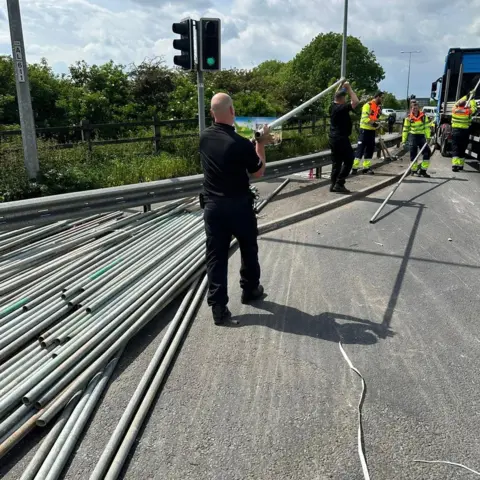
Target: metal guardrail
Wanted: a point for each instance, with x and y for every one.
(71, 205)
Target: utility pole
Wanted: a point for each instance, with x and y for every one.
(343, 69)
(25, 110)
(200, 84)
(409, 63)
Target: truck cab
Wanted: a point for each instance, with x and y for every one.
(460, 76)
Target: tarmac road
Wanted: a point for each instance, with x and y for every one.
(275, 399)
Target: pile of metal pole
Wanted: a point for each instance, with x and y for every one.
(73, 294)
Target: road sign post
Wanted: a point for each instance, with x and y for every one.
(27, 123)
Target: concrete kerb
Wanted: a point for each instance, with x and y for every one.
(325, 207)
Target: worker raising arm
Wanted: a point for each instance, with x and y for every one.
(462, 115)
(229, 205)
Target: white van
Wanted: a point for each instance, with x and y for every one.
(430, 111)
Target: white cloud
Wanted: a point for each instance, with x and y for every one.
(253, 30)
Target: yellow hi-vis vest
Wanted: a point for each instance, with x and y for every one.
(462, 116)
(370, 113)
(416, 125)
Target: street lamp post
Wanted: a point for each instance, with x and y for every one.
(409, 63)
(343, 68)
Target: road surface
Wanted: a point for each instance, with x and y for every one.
(275, 399)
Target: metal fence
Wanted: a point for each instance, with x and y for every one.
(88, 134)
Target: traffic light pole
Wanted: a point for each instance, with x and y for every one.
(25, 110)
(201, 100)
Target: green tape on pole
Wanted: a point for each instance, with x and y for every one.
(104, 269)
(14, 306)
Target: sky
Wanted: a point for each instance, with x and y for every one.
(126, 31)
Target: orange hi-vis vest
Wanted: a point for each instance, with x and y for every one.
(415, 125)
(370, 113)
(461, 117)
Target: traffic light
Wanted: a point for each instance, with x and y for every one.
(209, 44)
(184, 44)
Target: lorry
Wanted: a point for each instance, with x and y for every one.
(460, 76)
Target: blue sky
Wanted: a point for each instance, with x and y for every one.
(129, 31)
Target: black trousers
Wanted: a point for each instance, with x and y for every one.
(224, 218)
(460, 138)
(416, 143)
(366, 144)
(342, 159)
(390, 127)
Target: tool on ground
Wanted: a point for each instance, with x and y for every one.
(383, 146)
(407, 171)
(303, 106)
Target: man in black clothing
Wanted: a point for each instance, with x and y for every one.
(227, 160)
(340, 131)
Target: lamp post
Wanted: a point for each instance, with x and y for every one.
(343, 68)
(409, 62)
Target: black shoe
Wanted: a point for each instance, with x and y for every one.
(369, 171)
(423, 173)
(332, 186)
(460, 168)
(354, 171)
(222, 315)
(340, 189)
(454, 169)
(250, 296)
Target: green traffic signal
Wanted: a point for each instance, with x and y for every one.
(211, 61)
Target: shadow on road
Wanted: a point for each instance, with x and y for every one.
(332, 327)
(407, 203)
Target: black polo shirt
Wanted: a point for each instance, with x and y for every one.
(340, 121)
(226, 158)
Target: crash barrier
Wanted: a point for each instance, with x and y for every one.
(79, 204)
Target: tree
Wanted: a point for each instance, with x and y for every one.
(152, 84)
(390, 101)
(313, 67)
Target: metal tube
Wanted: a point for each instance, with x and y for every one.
(372, 220)
(343, 68)
(264, 202)
(90, 338)
(114, 253)
(73, 434)
(153, 388)
(300, 108)
(146, 380)
(20, 413)
(29, 331)
(49, 412)
(113, 328)
(12, 373)
(138, 250)
(47, 444)
(27, 351)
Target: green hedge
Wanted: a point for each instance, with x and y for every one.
(77, 169)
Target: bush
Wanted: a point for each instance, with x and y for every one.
(76, 169)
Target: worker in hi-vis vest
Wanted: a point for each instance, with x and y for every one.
(417, 125)
(462, 115)
(371, 112)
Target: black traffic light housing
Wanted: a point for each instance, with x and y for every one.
(209, 44)
(184, 44)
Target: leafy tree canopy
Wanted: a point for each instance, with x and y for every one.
(114, 93)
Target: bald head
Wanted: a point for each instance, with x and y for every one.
(222, 109)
